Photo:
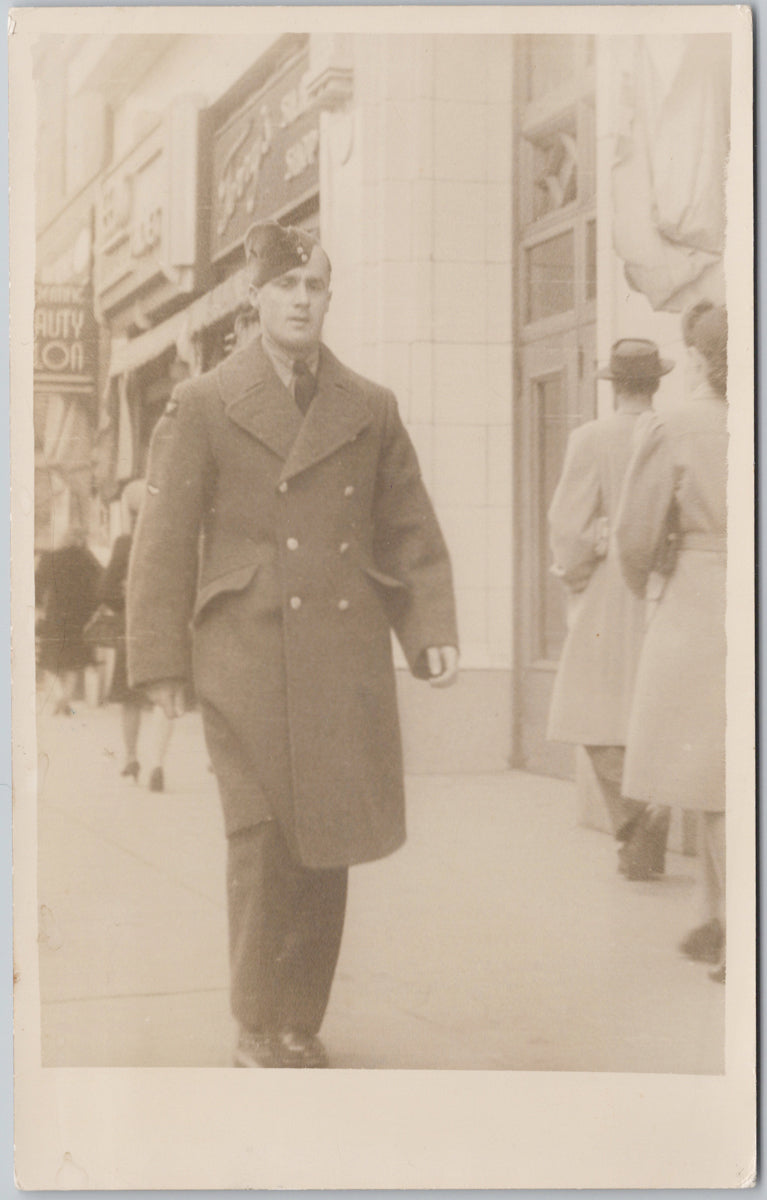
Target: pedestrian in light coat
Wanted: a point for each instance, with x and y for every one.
(678, 474)
(296, 480)
(594, 685)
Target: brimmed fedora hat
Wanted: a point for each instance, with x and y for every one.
(635, 360)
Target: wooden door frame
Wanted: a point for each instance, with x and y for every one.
(577, 326)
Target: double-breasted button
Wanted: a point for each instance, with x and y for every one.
(295, 602)
(343, 605)
(349, 489)
(292, 543)
(282, 487)
(343, 547)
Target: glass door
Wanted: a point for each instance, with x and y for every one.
(555, 255)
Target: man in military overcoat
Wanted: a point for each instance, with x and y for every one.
(286, 531)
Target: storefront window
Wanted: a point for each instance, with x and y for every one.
(554, 167)
(550, 63)
(591, 260)
(552, 440)
(553, 61)
(551, 277)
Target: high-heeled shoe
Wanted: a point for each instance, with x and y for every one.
(130, 770)
(157, 780)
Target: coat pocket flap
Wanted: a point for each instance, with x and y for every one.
(231, 581)
(385, 580)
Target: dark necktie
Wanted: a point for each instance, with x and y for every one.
(303, 385)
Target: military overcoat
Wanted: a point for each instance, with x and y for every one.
(273, 557)
(676, 738)
(593, 689)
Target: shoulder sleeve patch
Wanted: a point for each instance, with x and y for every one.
(171, 408)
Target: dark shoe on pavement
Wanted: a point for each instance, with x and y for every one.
(130, 770)
(295, 1049)
(255, 1050)
(704, 944)
(157, 780)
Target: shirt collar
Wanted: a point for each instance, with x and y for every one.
(283, 362)
(633, 405)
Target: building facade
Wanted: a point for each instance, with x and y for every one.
(468, 191)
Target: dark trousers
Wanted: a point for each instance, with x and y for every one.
(607, 762)
(285, 926)
(714, 856)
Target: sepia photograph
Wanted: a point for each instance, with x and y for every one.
(382, 406)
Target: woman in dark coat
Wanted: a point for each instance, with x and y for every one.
(677, 480)
(112, 593)
(66, 583)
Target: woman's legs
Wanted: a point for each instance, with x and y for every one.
(706, 943)
(162, 729)
(131, 722)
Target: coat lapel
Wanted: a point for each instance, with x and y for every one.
(338, 412)
(257, 401)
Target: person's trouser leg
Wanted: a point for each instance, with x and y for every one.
(642, 829)
(285, 927)
(607, 762)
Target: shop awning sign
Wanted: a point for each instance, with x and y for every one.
(66, 339)
(265, 159)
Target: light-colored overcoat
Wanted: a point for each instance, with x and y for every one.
(675, 751)
(273, 557)
(595, 678)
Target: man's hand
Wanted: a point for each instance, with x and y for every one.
(168, 694)
(443, 665)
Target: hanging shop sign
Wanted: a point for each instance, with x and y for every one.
(265, 159)
(146, 219)
(66, 339)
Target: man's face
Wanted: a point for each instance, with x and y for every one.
(292, 307)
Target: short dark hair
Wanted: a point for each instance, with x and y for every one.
(637, 387)
(708, 335)
(691, 317)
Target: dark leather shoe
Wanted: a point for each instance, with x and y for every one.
(255, 1050)
(705, 943)
(296, 1049)
(157, 780)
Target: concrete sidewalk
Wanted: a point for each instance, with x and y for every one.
(500, 937)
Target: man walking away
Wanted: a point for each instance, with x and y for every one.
(595, 680)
